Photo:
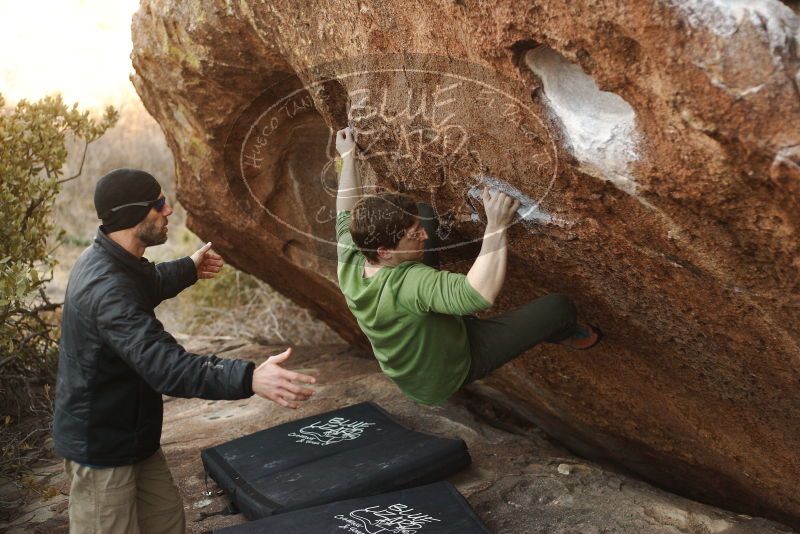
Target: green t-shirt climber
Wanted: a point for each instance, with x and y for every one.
(419, 318)
(410, 312)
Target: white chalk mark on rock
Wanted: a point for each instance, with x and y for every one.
(600, 126)
(528, 211)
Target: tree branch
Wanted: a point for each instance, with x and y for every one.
(33, 205)
(80, 169)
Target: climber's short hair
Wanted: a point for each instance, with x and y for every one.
(381, 221)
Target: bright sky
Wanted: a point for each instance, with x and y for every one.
(80, 48)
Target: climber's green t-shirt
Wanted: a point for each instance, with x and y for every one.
(411, 314)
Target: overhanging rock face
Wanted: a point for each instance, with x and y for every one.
(656, 147)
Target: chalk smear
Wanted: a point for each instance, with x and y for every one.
(528, 211)
(600, 126)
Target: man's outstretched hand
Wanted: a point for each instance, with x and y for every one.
(207, 262)
(275, 383)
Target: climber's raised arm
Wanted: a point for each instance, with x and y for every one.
(349, 180)
(489, 270)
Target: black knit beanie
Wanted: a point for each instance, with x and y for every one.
(124, 186)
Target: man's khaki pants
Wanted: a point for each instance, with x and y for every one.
(131, 499)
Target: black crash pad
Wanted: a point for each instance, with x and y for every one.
(342, 454)
(434, 509)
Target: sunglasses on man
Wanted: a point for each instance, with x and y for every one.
(158, 204)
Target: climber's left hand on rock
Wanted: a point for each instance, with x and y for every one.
(346, 142)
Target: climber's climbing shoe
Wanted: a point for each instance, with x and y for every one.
(585, 337)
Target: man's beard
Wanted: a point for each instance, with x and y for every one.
(151, 235)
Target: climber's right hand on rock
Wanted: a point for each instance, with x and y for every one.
(500, 209)
(279, 385)
(346, 141)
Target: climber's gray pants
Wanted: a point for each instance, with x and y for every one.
(495, 341)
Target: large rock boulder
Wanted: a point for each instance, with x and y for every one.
(655, 143)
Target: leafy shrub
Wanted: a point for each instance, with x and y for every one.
(33, 137)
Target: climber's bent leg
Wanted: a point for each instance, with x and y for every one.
(498, 340)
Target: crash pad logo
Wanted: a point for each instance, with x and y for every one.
(332, 431)
(393, 519)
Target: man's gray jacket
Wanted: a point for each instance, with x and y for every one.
(115, 358)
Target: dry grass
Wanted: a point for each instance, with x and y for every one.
(238, 305)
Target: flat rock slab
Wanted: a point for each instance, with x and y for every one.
(520, 481)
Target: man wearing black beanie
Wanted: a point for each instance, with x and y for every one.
(116, 360)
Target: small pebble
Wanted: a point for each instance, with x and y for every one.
(202, 503)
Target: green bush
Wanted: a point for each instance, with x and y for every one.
(33, 137)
